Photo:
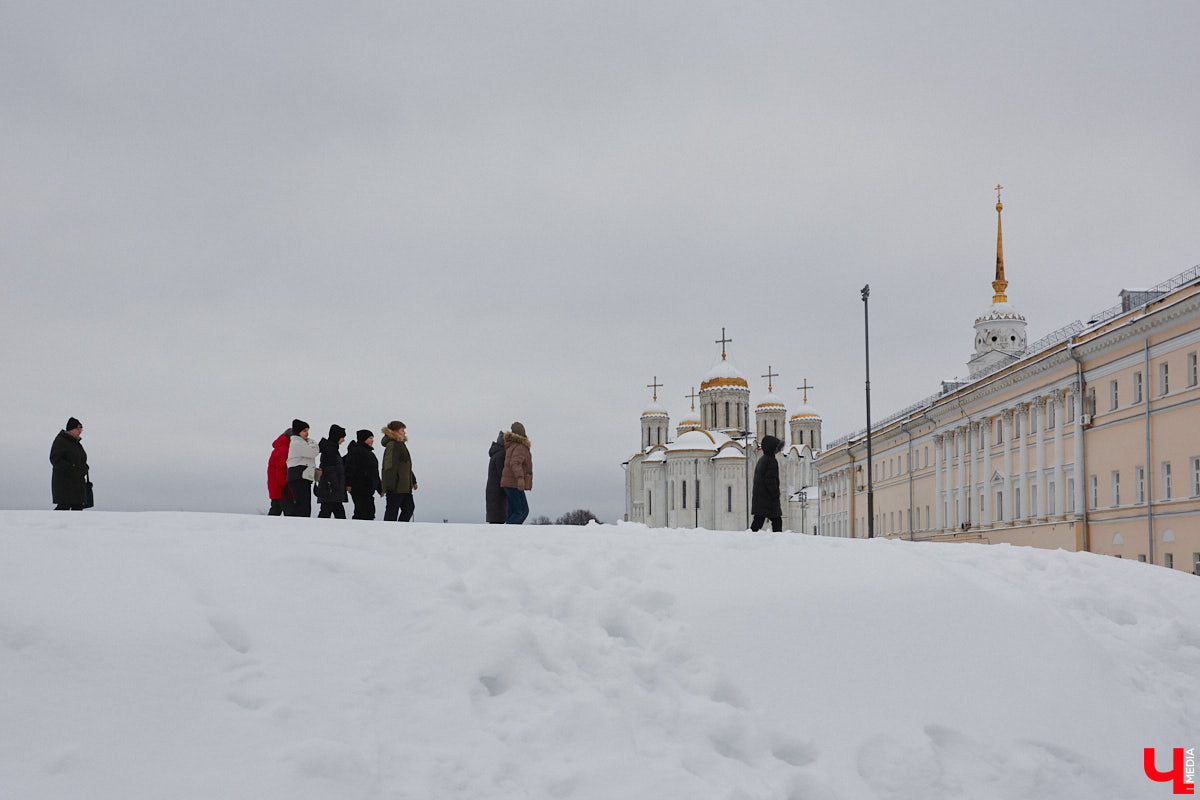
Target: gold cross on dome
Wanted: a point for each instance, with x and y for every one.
(998, 188)
(655, 386)
(723, 341)
(769, 376)
(804, 388)
(693, 396)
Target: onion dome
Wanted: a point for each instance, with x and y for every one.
(655, 409)
(806, 411)
(724, 373)
(770, 402)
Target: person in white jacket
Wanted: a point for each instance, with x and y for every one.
(301, 469)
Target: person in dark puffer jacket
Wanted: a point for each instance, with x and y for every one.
(362, 474)
(398, 479)
(764, 503)
(331, 488)
(497, 503)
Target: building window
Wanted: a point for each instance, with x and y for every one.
(1033, 496)
(1195, 476)
(1192, 376)
(1017, 503)
(1050, 413)
(1169, 560)
(999, 430)
(1166, 480)
(672, 494)
(649, 503)
(1113, 402)
(697, 493)
(726, 415)
(1142, 558)
(683, 489)
(729, 499)
(1164, 378)
(1139, 485)
(927, 523)
(1017, 424)
(1116, 488)
(1137, 387)
(1093, 491)
(1051, 498)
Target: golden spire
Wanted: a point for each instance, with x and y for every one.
(999, 285)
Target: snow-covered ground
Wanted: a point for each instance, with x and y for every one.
(172, 656)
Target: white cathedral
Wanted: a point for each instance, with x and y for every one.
(702, 478)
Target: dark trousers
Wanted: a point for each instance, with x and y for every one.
(328, 510)
(364, 505)
(65, 507)
(301, 498)
(399, 503)
(518, 506)
(280, 507)
(776, 523)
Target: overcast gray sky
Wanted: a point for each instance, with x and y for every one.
(220, 216)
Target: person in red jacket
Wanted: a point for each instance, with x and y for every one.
(277, 485)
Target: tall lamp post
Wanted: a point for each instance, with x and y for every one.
(866, 293)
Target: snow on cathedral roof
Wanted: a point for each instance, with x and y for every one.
(655, 409)
(805, 411)
(771, 402)
(1000, 311)
(707, 441)
(723, 373)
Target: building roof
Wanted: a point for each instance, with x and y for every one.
(723, 373)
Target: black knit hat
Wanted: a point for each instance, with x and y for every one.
(72, 424)
(336, 433)
(363, 435)
(297, 426)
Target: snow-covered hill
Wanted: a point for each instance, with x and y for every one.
(216, 657)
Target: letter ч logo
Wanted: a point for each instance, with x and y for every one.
(1176, 775)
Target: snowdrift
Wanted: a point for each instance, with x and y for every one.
(220, 657)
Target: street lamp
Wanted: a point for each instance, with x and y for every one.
(866, 292)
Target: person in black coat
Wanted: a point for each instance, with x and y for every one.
(331, 488)
(764, 503)
(68, 481)
(497, 503)
(362, 474)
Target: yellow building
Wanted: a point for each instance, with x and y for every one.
(1088, 439)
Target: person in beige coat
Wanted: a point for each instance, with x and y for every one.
(517, 477)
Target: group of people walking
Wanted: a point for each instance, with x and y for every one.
(299, 468)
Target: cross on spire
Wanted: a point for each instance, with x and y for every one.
(998, 188)
(804, 387)
(655, 386)
(769, 376)
(723, 341)
(693, 396)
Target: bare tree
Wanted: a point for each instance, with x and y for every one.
(579, 516)
(542, 520)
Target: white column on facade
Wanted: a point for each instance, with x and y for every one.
(1060, 485)
(1036, 421)
(947, 484)
(1006, 426)
(1023, 462)
(937, 480)
(955, 500)
(987, 514)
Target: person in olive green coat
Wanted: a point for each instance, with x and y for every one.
(398, 479)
